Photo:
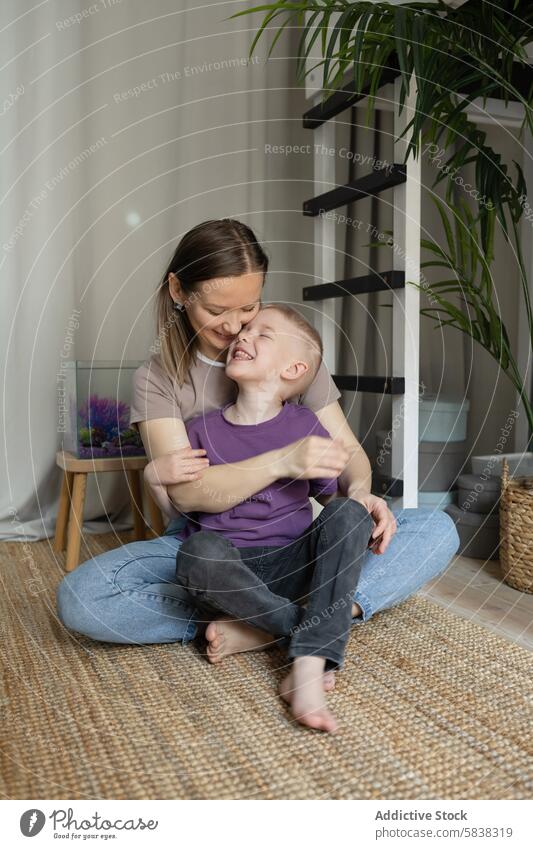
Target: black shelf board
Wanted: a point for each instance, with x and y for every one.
(371, 184)
(345, 97)
(366, 383)
(355, 286)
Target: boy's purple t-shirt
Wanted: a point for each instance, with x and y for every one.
(277, 514)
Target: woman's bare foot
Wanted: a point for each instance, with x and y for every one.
(303, 690)
(228, 636)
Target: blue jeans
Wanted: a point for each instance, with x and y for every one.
(130, 594)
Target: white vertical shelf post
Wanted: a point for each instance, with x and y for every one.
(324, 235)
(406, 308)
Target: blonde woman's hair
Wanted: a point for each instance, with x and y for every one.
(215, 248)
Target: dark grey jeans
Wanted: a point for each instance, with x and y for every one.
(266, 586)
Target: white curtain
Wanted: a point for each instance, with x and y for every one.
(124, 124)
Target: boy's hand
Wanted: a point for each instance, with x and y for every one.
(181, 466)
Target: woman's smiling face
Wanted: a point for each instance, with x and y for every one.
(219, 308)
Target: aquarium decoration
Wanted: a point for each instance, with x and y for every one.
(104, 429)
(98, 420)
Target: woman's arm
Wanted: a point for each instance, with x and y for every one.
(325, 499)
(222, 486)
(356, 479)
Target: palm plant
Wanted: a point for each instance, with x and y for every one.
(454, 55)
(472, 50)
(472, 286)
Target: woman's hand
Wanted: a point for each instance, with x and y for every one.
(312, 457)
(181, 466)
(385, 523)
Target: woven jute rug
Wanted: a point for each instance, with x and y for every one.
(430, 706)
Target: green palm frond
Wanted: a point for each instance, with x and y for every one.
(474, 310)
(471, 50)
(454, 56)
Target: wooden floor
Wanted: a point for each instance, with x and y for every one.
(474, 589)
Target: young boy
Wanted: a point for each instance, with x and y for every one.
(257, 561)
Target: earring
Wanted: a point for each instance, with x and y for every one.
(179, 307)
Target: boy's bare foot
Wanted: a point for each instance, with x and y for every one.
(303, 690)
(227, 636)
(328, 681)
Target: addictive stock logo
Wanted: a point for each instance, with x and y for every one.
(31, 822)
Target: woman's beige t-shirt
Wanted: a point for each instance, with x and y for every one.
(206, 388)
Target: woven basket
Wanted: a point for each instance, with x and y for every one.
(516, 531)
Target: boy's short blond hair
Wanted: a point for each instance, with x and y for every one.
(309, 336)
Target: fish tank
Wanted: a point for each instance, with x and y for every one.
(97, 399)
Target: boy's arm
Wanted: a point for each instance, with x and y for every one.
(222, 486)
(186, 464)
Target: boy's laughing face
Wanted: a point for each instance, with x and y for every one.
(269, 350)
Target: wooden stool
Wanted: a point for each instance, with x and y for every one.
(69, 522)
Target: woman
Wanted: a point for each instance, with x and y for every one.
(211, 288)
